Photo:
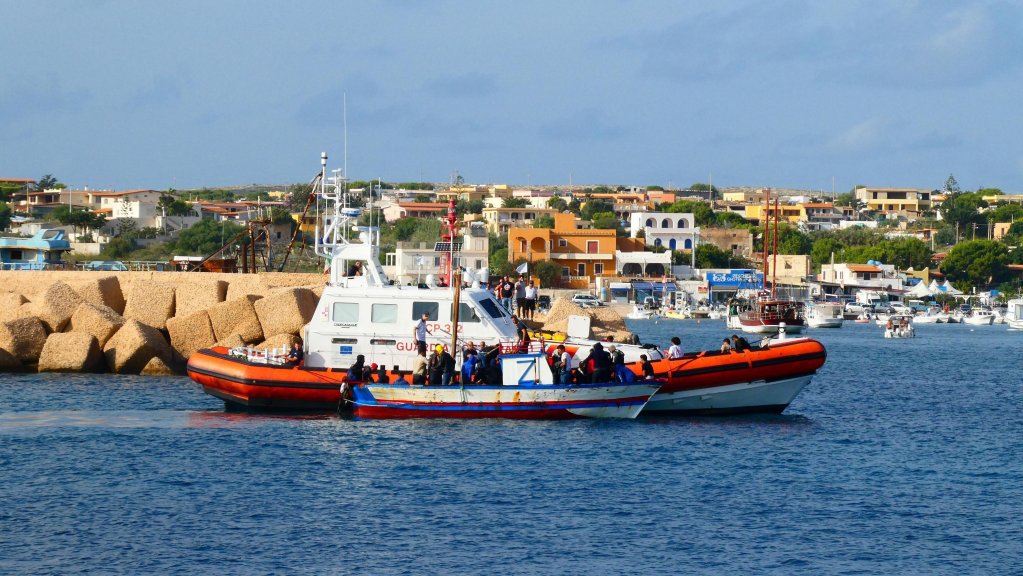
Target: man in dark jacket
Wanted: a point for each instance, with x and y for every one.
(601, 363)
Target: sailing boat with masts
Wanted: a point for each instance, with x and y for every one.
(766, 313)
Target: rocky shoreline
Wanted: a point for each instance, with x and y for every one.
(144, 322)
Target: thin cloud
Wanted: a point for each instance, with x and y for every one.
(859, 137)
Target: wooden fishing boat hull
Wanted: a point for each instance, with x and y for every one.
(527, 402)
(759, 380)
(244, 384)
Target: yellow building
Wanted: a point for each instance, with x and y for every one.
(788, 213)
(914, 200)
(582, 255)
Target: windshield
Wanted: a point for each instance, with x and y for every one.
(492, 308)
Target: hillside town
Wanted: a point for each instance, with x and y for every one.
(626, 244)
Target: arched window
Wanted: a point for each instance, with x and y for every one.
(688, 244)
(682, 223)
(650, 223)
(671, 244)
(665, 223)
(657, 242)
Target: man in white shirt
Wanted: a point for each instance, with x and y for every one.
(531, 292)
(419, 333)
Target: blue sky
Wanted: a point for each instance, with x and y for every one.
(111, 94)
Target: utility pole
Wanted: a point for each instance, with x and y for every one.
(974, 230)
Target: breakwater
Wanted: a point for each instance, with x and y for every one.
(144, 322)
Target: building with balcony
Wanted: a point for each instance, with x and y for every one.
(868, 276)
(398, 210)
(582, 255)
(672, 230)
(501, 220)
(910, 200)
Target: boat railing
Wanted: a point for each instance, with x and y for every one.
(270, 357)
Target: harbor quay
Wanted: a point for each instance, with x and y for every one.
(144, 322)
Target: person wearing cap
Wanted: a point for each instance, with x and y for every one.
(433, 365)
(447, 367)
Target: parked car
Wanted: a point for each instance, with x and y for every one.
(586, 300)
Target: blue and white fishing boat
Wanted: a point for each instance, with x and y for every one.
(527, 391)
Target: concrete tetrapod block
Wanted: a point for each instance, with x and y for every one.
(58, 304)
(8, 363)
(191, 298)
(11, 300)
(105, 291)
(26, 310)
(98, 320)
(133, 346)
(23, 338)
(236, 317)
(71, 352)
(286, 311)
(232, 341)
(157, 367)
(191, 333)
(280, 342)
(151, 303)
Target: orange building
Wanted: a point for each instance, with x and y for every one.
(583, 255)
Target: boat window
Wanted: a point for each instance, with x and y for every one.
(492, 308)
(344, 340)
(382, 342)
(431, 308)
(384, 314)
(466, 313)
(345, 313)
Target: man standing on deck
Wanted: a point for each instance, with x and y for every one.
(520, 296)
(507, 290)
(419, 333)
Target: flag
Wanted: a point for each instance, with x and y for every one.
(522, 269)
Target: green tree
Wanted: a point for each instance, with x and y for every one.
(728, 219)
(544, 221)
(846, 199)
(422, 198)
(701, 187)
(963, 209)
(514, 203)
(575, 207)
(118, 248)
(710, 256)
(951, 186)
(5, 215)
(1005, 213)
(980, 262)
(595, 207)
(605, 221)
(546, 271)
(499, 264)
(701, 211)
(655, 189)
(557, 203)
(823, 248)
(404, 228)
(204, 237)
(298, 195)
(47, 182)
(463, 207)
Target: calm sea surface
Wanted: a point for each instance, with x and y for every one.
(902, 457)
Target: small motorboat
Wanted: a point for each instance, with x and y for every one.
(863, 318)
(824, 315)
(979, 317)
(899, 326)
(640, 313)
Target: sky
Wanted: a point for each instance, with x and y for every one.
(787, 94)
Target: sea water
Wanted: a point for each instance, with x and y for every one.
(901, 457)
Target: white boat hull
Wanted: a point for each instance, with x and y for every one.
(979, 320)
(756, 396)
(824, 322)
(771, 329)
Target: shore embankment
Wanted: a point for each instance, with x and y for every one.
(144, 322)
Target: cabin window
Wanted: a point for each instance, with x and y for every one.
(431, 308)
(382, 342)
(384, 314)
(492, 309)
(345, 313)
(16, 255)
(466, 313)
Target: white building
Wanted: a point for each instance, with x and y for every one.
(411, 262)
(674, 231)
(871, 276)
